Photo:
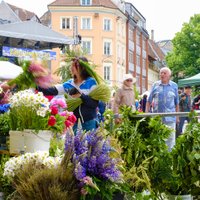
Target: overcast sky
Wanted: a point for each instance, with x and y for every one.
(165, 17)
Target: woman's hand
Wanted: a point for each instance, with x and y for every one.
(76, 95)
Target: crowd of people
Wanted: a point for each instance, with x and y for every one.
(164, 97)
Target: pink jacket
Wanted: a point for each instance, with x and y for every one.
(124, 96)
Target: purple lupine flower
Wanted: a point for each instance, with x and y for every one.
(92, 157)
(79, 171)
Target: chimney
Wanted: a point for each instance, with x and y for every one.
(152, 35)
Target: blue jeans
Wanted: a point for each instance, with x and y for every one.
(170, 142)
(181, 123)
(86, 126)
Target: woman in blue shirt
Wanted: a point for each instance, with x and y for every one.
(80, 85)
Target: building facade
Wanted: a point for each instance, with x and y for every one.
(137, 47)
(101, 26)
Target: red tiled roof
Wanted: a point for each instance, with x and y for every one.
(104, 3)
(158, 51)
(22, 13)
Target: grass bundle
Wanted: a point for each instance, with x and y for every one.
(43, 183)
(101, 93)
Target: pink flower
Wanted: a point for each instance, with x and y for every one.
(37, 69)
(44, 81)
(59, 102)
(52, 121)
(68, 123)
(54, 110)
(72, 118)
(64, 113)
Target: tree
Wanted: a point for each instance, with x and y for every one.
(184, 59)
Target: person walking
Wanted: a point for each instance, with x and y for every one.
(143, 102)
(164, 98)
(196, 103)
(82, 83)
(124, 96)
(185, 106)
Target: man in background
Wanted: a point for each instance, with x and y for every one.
(185, 106)
(164, 98)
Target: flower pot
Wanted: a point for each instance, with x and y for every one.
(16, 142)
(37, 141)
(29, 141)
(180, 197)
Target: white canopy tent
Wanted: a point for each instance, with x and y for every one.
(31, 34)
(9, 70)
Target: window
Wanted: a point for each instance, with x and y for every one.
(86, 2)
(130, 57)
(107, 25)
(86, 23)
(107, 73)
(107, 48)
(131, 34)
(87, 46)
(138, 39)
(144, 63)
(138, 60)
(65, 23)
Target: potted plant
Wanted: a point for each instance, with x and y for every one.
(33, 119)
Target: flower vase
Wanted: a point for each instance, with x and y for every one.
(16, 142)
(37, 141)
(29, 141)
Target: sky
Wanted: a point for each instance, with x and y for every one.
(165, 17)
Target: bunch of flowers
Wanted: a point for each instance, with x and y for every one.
(29, 110)
(97, 171)
(4, 99)
(15, 164)
(35, 73)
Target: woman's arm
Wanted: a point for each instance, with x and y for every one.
(48, 91)
(88, 101)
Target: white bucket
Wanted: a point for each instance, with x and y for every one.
(29, 141)
(16, 142)
(37, 141)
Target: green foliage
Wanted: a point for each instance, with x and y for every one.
(64, 71)
(57, 145)
(143, 146)
(186, 159)
(4, 124)
(184, 59)
(5, 183)
(25, 80)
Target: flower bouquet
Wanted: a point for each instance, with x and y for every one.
(29, 110)
(34, 74)
(4, 99)
(97, 165)
(33, 119)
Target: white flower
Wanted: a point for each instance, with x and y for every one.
(41, 157)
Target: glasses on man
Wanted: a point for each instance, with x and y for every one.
(129, 80)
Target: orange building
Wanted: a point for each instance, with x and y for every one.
(102, 27)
